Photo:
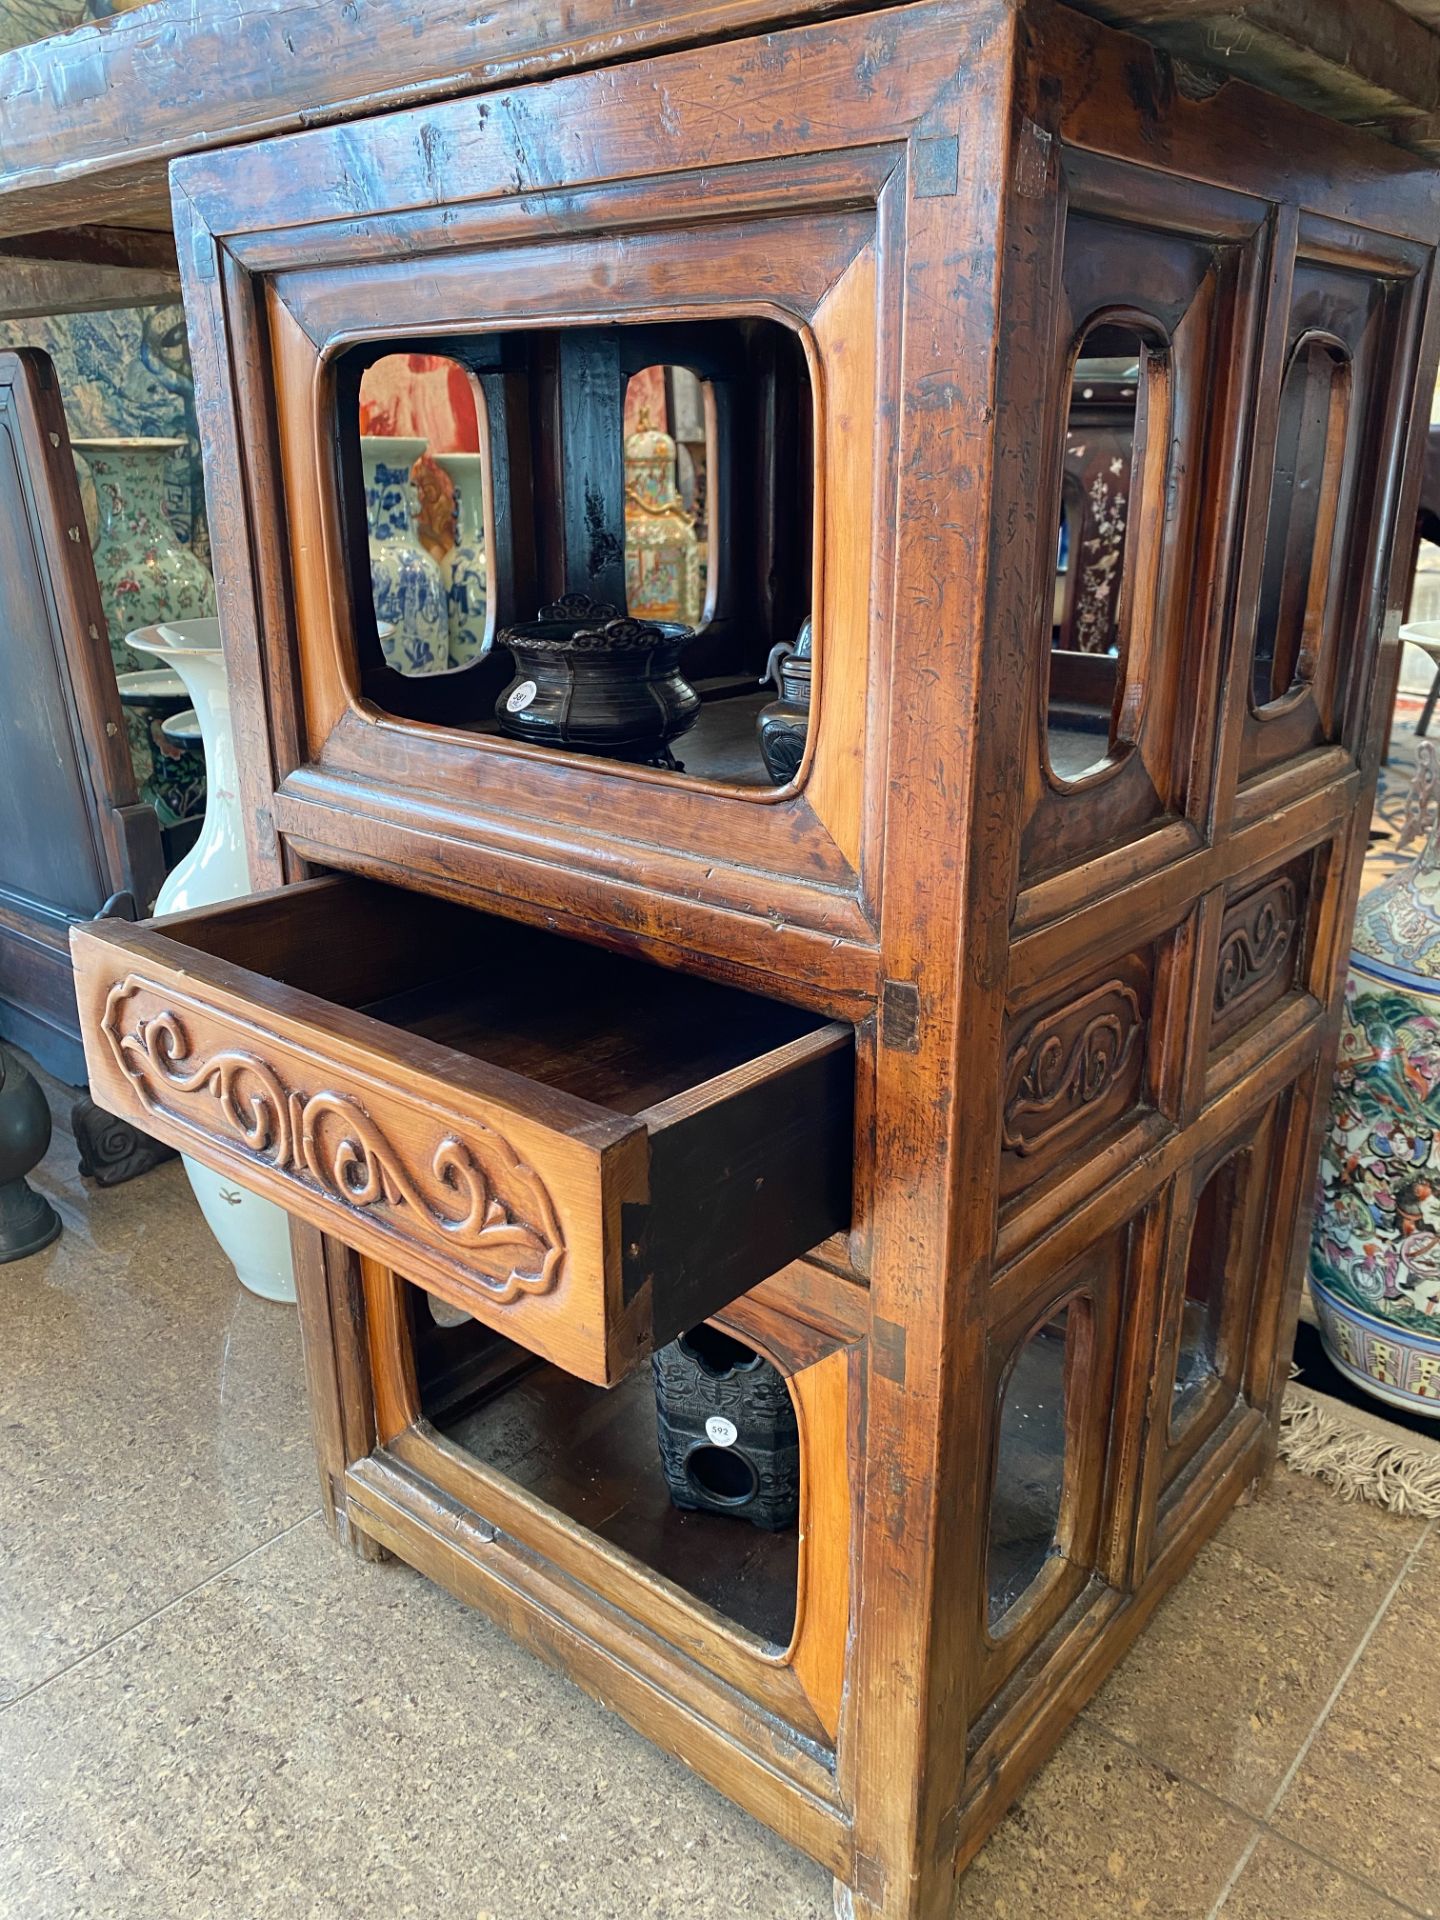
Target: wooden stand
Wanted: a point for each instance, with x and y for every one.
(1035, 1307)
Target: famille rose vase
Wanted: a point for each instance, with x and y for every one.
(145, 574)
(463, 568)
(662, 553)
(254, 1234)
(1375, 1251)
(408, 591)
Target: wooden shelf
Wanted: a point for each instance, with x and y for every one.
(592, 1455)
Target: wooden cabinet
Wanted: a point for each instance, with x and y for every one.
(80, 840)
(973, 1076)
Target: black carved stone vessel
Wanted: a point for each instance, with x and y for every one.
(594, 680)
(785, 723)
(729, 1439)
(27, 1219)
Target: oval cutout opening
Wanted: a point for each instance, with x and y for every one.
(427, 487)
(1210, 1266)
(1295, 573)
(633, 473)
(1110, 514)
(669, 422)
(1032, 1461)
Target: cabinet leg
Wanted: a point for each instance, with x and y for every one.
(331, 1304)
(349, 1536)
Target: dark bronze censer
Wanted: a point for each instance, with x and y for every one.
(590, 678)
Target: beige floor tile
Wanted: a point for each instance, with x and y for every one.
(1282, 1883)
(1229, 1677)
(1299, 1528)
(1368, 1794)
(152, 1418)
(307, 1736)
(1104, 1834)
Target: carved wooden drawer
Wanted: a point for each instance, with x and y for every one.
(585, 1151)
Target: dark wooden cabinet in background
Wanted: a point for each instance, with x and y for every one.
(77, 839)
(1072, 949)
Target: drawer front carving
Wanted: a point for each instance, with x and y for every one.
(402, 1171)
(463, 1186)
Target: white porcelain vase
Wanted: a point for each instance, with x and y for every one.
(254, 1234)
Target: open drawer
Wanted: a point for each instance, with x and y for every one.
(587, 1152)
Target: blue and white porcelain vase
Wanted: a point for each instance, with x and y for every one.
(408, 590)
(1375, 1250)
(464, 565)
(254, 1233)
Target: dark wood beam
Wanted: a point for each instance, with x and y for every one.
(86, 270)
(1367, 62)
(93, 117)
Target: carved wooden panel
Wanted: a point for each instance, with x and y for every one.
(424, 1178)
(1074, 1066)
(1262, 946)
(496, 1208)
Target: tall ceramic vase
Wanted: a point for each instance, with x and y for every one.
(1375, 1250)
(408, 591)
(145, 574)
(254, 1234)
(464, 566)
(662, 552)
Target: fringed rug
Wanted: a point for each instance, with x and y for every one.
(1358, 1453)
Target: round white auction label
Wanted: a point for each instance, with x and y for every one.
(723, 1432)
(521, 697)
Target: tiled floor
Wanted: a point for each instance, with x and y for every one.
(206, 1709)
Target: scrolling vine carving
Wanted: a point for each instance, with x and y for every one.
(1067, 1064)
(476, 1195)
(1256, 941)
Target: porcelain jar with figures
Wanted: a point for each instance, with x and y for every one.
(1375, 1249)
(408, 591)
